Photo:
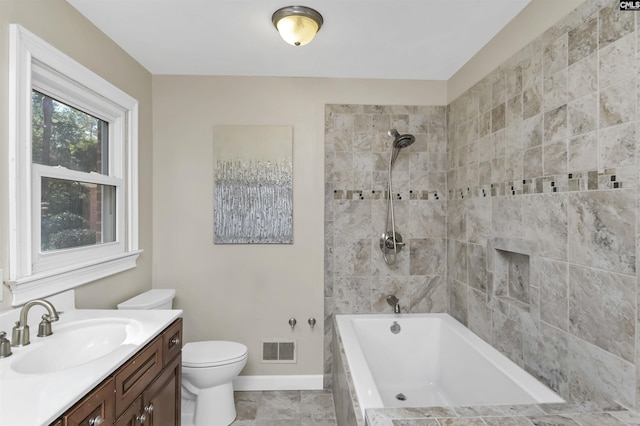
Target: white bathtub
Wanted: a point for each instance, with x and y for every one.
(433, 361)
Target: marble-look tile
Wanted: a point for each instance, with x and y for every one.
(598, 230)
(545, 221)
(597, 419)
(352, 295)
(595, 374)
(507, 421)
(553, 420)
(582, 114)
(506, 216)
(457, 219)
(601, 309)
(617, 105)
(352, 257)
(457, 260)
(546, 357)
(514, 108)
(555, 56)
(498, 117)
(477, 267)
(583, 40)
(532, 131)
(246, 404)
(614, 24)
(532, 162)
(458, 300)
(427, 256)
(498, 144)
(317, 405)
(279, 405)
(617, 61)
(415, 422)
(531, 101)
(582, 152)
(497, 170)
(479, 314)
(381, 287)
(555, 89)
(419, 219)
(479, 220)
(507, 337)
(514, 166)
(554, 293)
(352, 218)
(429, 294)
(583, 77)
(555, 124)
(555, 157)
(467, 421)
(617, 146)
(532, 69)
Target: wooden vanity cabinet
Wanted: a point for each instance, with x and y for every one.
(146, 390)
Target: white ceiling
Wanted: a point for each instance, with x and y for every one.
(389, 39)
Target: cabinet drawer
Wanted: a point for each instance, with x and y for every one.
(134, 377)
(98, 404)
(172, 341)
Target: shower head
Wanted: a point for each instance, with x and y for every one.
(401, 141)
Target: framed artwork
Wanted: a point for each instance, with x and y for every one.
(253, 184)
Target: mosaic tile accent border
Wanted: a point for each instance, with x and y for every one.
(566, 182)
(362, 194)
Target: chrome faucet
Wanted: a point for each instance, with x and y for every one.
(393, 301)
(20, 336)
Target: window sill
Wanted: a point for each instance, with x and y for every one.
(55, 281)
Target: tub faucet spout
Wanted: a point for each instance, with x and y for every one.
(393, 301)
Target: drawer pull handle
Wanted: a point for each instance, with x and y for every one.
(142, 418)
(174, 341)
(148, 409)
(96, 421)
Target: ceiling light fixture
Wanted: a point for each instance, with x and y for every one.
(297, 25)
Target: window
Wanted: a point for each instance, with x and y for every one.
(73, 172)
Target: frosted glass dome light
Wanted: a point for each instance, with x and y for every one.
(297, 25)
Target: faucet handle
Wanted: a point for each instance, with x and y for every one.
(5, 345)
(44, 328)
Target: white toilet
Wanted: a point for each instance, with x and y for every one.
(208, 369)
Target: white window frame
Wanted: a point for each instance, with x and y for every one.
(36, 65)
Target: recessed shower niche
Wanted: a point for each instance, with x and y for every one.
(514, 271)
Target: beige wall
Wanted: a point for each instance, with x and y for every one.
(249, 292)
(60, 25)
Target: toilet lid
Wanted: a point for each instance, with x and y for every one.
(212, 353)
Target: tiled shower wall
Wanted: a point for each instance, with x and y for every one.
(357, 149)
(543, 178)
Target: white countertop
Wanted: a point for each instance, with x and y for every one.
(39, 399)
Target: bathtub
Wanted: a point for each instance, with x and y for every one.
(432, 360)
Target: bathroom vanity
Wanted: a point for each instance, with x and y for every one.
(62, 380)
(145, 390)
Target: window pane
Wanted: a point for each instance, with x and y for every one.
(76, 214)
(65, 136)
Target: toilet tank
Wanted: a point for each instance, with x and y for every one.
(157, 298)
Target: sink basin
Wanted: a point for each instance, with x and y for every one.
(74, 344)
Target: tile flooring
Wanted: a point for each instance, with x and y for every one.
(285, 408)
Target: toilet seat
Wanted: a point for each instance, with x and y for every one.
(212, 353)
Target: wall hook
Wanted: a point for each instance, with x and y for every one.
(292, 322)
(312, 322)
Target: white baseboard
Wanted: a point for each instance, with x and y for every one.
(267, 383)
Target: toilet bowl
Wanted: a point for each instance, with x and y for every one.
(208, 369)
